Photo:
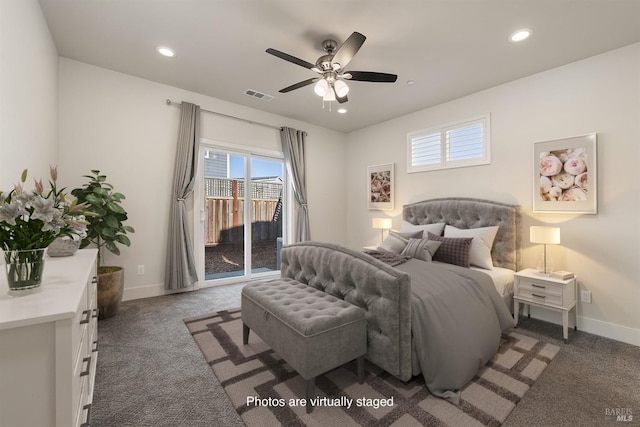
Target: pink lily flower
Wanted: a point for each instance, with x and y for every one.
(39, 185)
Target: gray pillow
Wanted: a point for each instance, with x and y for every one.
(423, 249)
(435, 228)
(396, 242)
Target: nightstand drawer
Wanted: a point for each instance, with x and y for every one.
(540, 287)
(545, 291)
(541, 296)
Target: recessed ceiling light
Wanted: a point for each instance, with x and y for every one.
(342, 110)
(410, 82)
(520, 35)
(165, 51)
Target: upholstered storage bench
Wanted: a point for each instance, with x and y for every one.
(312, 331)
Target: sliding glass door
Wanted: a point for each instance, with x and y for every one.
(242, 214)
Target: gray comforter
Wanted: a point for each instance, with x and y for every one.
(457, 321)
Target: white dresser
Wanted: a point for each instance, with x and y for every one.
(48, 346)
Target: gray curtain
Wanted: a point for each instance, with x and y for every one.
(181, 270)
(293, 148)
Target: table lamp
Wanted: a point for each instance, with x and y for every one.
(382, 224)
(545, 236)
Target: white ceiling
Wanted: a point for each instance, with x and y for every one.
(450, 48)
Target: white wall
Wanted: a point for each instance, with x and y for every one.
(122, 126)
(28, 93)
(600, 94)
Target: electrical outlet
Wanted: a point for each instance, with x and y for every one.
(585, 296)
(140, 270)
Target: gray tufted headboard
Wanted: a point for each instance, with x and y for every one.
(473, 213)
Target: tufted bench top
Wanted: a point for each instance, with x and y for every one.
(303, 308)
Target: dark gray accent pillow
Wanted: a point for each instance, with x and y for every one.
(423, 249)
(452, 250)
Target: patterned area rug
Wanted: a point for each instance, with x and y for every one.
(266, 392)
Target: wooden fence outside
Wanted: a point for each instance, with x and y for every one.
(225, 206)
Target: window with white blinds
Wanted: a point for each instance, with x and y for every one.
(452, 146)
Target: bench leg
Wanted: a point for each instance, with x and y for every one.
(245, 334)
(360, 363)
(311, 386)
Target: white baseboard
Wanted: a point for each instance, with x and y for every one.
(146, 291)
(592, 326)
(149, 291)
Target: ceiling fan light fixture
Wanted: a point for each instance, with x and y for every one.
(329, 96)
(321, 88)
(341, 88)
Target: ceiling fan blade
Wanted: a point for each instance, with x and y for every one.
(293, 59)
(371, 76)
(349, 48)
(298, 85)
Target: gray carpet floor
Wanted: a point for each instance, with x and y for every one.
(152, 373)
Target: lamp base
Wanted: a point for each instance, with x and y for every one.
(544, 265)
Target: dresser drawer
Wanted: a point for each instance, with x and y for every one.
(79, 324)
(81, 375)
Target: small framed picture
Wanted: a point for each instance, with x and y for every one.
(565, 175)
(380, 186)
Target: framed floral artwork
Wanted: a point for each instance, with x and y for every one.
(565, 175)
(380, 186)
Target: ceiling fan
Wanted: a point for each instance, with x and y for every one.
(331, 68)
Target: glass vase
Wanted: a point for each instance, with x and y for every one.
(24, 268)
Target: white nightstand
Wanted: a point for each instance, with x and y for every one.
(541, 290)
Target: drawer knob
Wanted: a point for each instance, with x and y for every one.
(86, 360)
(88, 409)
(86, 315)
(95, 279)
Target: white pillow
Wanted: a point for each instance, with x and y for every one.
(480, 250)
(435, 228)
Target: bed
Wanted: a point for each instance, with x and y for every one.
(469, 213)
(436, 319)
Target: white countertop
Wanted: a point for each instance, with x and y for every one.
(57, 297)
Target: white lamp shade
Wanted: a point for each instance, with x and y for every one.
(329, 95)
(545, 235)
(321, 87)
(381, 223)
(341, 88)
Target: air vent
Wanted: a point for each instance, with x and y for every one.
(259, 95)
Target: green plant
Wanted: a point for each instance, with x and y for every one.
(105, 229)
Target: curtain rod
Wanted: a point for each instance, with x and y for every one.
(169, 102)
